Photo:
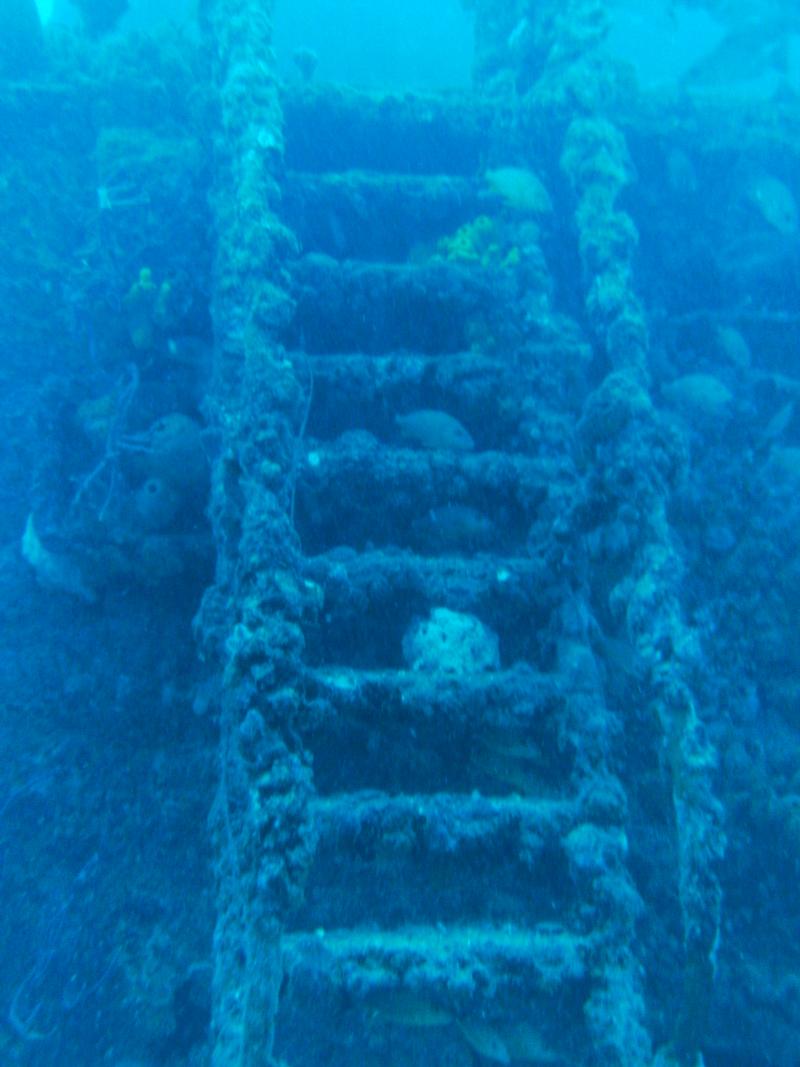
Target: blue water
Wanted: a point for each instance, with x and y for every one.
(400, 489)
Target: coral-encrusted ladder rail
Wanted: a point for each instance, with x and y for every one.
(469, 895)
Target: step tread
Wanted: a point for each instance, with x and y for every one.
(511, 698)
(410, 361)
(405, 566)
(350, 270)
(331, 127)
(379, 215)
(369, 603)
(465, 815)
(402, 567)
(360, 492)
(371, 176)
(359, 451)
(503, 590)
(374, 306)
(428, 956)
(403, 364)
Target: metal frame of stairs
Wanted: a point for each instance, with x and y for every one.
(416, 867)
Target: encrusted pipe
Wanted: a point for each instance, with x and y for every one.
(249, 622)
(634, 463)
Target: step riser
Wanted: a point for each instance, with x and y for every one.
(351, 307)
(379, 883)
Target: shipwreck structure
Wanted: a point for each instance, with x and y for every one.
(410, 394)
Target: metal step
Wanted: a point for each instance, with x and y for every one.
(370, 599)
(359, 491)
(335, 128)
(352, 305)
(501, 399)
(398, 860)
(371, 215)
(502, 733)
(436, 994)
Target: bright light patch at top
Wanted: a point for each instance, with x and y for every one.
(662, 42)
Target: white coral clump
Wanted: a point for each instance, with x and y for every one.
(451, 642)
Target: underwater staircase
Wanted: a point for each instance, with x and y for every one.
(469, 899)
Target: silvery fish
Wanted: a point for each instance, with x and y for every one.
(775, 203)
(428, 428)
(521, 189)
(733, 347)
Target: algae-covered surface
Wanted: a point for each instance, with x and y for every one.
(400, 511)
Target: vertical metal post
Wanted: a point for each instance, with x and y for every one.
(249, 621)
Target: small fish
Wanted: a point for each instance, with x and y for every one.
(733, 346)
(432, 429)
(484, 1039)
(775, 202)
(53, 571)
(701, 397)
(404, 1008)
(521, 189)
